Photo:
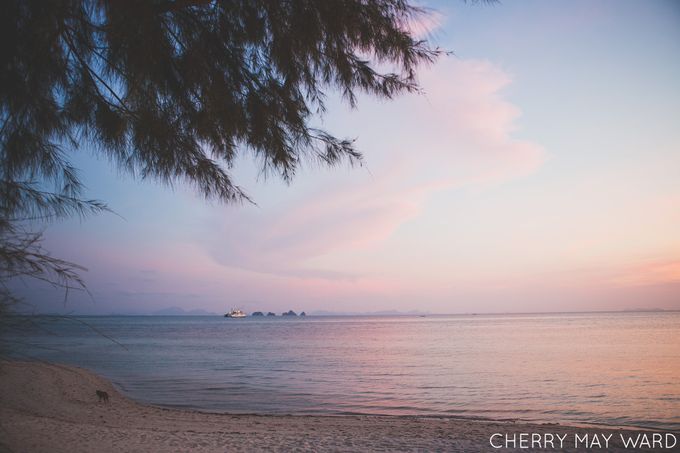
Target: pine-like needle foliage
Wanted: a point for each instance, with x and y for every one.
(174, 89)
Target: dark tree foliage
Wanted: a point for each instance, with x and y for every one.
(175, 89)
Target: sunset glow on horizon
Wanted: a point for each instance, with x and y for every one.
(538, 172)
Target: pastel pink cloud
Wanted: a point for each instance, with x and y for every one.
(649, 273)
(459, 134)
(424, 25)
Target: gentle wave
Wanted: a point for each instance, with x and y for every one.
(604, 368)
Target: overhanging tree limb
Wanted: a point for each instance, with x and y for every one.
(173, 89)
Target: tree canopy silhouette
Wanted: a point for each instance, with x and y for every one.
(176, 89)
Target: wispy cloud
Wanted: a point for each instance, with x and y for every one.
(459, 134)
(426, 24)
(649, 273)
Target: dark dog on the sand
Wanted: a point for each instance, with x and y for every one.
(103, 396)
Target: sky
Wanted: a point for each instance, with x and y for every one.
(538, 172)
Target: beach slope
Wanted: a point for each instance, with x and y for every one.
(54, 408)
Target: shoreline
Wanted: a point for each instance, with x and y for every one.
(53, 407)
(462, 418)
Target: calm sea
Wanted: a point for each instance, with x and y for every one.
(605, 368)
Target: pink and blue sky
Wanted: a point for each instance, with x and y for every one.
(540, 171)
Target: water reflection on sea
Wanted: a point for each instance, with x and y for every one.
(611, 368)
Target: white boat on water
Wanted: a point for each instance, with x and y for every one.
(235, 313)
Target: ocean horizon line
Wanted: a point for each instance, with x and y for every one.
(321, 314)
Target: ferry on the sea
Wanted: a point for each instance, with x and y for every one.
(235, 313)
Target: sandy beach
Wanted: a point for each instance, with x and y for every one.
(54, 408)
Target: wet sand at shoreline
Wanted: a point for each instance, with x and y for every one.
(54, 408)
